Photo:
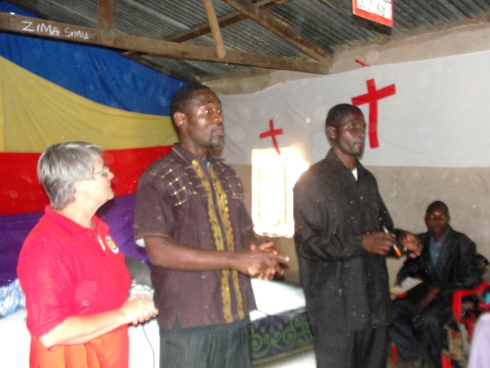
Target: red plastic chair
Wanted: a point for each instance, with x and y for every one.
(457, 303)
(456, 307)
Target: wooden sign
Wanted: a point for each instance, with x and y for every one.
(380, 11)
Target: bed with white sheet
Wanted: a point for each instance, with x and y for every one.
(279, 326)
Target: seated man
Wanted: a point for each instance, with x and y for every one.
(447, 263)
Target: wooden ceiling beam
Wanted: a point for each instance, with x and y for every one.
(191, 52)
(280, 29)
(106, 20)
(215, 30)
(73, 33)
(151, 64)
(225, 21)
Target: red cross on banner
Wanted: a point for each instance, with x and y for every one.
(364, 65)
(272, 133)
(372, 98)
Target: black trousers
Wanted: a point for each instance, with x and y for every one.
(219, 347)
(419, 335)
(362, 349)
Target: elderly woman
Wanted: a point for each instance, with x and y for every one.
(71, 270)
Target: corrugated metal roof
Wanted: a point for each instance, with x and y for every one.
(328, 24)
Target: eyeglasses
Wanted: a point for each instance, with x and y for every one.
(103, 172)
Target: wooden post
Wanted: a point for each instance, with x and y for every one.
(215, 30)
(106, 21)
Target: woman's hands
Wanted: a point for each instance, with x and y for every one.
(138, 309)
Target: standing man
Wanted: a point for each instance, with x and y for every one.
(341, 243)
(447, 263)
(198, 236)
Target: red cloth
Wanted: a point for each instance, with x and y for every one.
(20, 191)
(64, 272)
(110, 350)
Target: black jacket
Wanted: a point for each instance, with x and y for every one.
(455, 268)
(346, 288)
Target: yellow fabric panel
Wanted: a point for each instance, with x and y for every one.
(1, 111)
(37, 113)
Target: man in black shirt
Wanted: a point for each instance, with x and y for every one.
(340, 220)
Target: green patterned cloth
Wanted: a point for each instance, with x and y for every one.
(280, 334)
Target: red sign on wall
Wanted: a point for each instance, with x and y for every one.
(379, 11)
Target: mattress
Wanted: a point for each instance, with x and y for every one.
(279, 326)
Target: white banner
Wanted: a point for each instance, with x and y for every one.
(431, 113)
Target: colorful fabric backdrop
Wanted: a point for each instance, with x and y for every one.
(52, 92)
(429, 113)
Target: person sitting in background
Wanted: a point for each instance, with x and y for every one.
(447, 263)
(71, 270)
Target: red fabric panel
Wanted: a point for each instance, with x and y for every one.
(128, 165)
(20, 191)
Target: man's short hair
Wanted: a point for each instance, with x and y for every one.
(438, 204)
(61, 165)
(182, 96)
(337, 113)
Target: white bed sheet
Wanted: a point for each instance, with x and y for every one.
(15, 341)
(272, 297)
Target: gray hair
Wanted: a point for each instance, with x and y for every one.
(62, 165)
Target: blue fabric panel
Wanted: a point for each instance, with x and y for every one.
(117, 213)
(96, 73)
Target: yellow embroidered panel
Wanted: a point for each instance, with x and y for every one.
(230, 240)
(219, 240)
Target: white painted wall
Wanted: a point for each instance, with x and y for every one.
(407, 191)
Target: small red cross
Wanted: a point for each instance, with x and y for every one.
(272, 133)
(372, 98)
(364, 65)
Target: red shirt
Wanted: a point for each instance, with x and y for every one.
(64, 272)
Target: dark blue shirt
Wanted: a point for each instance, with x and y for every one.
(435, 247)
